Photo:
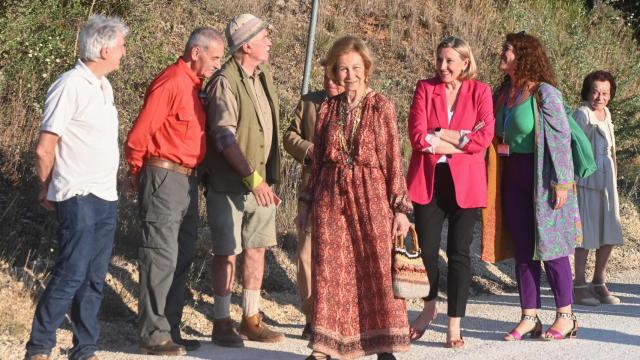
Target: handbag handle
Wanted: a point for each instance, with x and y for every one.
(414, 241)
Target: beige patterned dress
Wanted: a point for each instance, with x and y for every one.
(354, 190)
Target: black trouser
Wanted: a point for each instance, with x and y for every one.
(429, 219)
(169, 212)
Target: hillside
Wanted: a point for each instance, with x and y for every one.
(38, 42)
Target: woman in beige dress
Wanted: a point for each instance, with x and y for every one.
(597, 194)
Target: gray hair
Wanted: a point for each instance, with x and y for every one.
(100, 32)
(202, 37)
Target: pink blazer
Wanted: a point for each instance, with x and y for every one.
(429, 111)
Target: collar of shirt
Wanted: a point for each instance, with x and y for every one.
(182, 65)
(86, 73)
(244, 74)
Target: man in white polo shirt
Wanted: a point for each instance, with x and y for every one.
(77, 162)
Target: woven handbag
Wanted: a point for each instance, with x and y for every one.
(409, 275)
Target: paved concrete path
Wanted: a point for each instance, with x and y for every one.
(605, 332)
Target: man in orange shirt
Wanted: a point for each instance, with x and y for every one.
(165, 145)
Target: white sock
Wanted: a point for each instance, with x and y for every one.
(250, 302)
(221, 306)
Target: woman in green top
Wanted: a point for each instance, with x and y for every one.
(515, 123)
(539, 206)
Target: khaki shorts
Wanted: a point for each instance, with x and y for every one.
(237, 222)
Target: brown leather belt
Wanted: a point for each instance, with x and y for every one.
(169, 165)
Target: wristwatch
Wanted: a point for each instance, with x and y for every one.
(437, 131)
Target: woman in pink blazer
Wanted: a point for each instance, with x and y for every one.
(451, 124)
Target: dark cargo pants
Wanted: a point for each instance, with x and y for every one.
(169, 213)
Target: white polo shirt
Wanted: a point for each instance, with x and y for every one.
(80, 110)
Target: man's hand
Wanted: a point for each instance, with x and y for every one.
(130, 184)
(42, 199)
(264, 195)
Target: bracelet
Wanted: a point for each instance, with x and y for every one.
(252, 180)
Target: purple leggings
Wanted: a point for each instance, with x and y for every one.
(517, 203)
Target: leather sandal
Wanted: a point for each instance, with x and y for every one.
(553, 334)
(535, 332)
(415, 334)
(605, 299)
(455, 344)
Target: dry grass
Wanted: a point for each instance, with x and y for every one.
(15, 315)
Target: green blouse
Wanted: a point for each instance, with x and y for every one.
(519, 121)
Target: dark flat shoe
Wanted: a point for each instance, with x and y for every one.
(311, 357)
(165, 348)
(386, 356)
(306, 332)
(189, 345)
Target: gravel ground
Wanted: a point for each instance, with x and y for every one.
(606, 331)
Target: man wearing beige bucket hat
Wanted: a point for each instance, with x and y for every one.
(242, 164)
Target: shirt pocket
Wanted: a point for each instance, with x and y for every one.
(184, 120)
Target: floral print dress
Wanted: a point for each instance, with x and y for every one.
(356, 185)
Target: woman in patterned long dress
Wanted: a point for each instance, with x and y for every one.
(539, 202)
(598, 193)
(358, 195)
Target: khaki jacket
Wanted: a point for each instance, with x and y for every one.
(299, 135)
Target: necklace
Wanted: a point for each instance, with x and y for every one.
(345, 113)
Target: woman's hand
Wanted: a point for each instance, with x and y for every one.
(560, 198)
(302, 218)
(400, 225)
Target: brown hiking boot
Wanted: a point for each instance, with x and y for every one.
(165, 348)
(225, 333)
(254, 329)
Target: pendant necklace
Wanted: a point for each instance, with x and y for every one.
(345, 113)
